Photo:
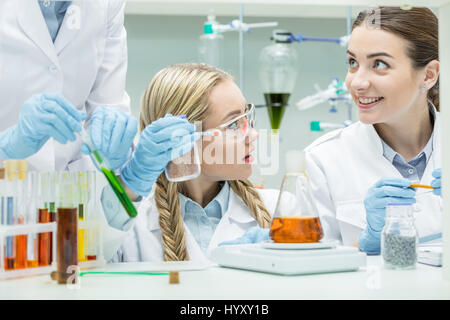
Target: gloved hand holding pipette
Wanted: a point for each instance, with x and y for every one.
(112, 132)
(159, 143)
(252, 235)
(43, 116)
(385, 191)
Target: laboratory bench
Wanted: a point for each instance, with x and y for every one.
(217, 283)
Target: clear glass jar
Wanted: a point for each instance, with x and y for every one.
(399, 237)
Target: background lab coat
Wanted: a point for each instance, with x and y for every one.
(87, 64)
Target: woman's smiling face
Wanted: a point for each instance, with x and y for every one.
(381, 77)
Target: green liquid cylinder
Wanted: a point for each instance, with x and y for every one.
(276, 113)
(120, 192)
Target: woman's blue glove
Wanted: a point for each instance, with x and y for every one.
(42, 117)
(385, 191)
(251, 235)
(159, 143)
(112, 132)
(436, 182)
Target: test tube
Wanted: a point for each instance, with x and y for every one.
(53, 191)
(44, 238)
(32, 210)
(91, 241)
(102, 165)
(21, 240)
(67, 232)
(2, 196)
(10, 207)
(82, 204)
(2, 208)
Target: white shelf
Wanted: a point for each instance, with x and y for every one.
(264, 8)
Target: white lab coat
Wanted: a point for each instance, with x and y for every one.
(87, 64)
(143, 241)
(345, 163)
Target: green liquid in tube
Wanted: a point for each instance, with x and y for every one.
(113, 181)
(120, 192)
(276, 106)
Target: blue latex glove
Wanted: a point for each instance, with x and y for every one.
(251, 235)
(42, 116)
(160, 142)
(436, 182)
(112, 132)
(385, 191)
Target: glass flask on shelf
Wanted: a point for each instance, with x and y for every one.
(296, 218)
(278, 74)
(211, 43)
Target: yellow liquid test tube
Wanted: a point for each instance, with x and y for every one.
(82, 204)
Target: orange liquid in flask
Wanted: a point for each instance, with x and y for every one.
(296, 229)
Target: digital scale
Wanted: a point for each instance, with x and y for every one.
(290, 258)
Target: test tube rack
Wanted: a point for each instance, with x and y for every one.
(32, 229)
(26, 229)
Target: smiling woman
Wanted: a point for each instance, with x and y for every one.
(393, 77)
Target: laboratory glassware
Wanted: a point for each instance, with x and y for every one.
(399, 237)
(44, 238)
(91, 237)
(21, 240)
(102, 165)
(211, 43)
(32, 211)
(82, 189)
(10, 208)
(296, 218)
(67, 228)
(278, 74)
(186, 165)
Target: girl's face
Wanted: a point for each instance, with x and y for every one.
(227, 157)
(381, 78)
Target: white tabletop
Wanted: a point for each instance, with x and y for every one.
(370, 282)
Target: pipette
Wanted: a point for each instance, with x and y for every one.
(102, 165)
(421, 186)
(211, 133)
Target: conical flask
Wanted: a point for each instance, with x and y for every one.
(296, 218)
(278, 74)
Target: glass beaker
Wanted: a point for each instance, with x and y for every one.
(67, 228)
(296, 218)
(185, 167)
(399, 237)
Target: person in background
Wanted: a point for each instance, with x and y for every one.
(62, 63)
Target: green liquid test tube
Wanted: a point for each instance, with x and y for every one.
(111, 177)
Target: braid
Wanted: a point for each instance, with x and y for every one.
(170, 220)
(250, 196)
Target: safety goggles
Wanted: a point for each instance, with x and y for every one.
(239, 127)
